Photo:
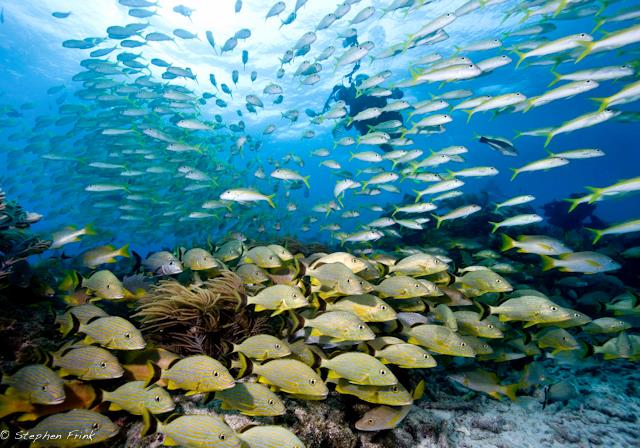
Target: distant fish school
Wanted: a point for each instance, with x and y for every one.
(142, 154)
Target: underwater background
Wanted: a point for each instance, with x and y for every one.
(132, 132)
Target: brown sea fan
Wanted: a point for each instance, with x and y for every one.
(199, 319)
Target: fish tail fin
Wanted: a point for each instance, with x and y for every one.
(305, 179)
(596, 193)
(359, 92)
(407, 43)
(549, 137)
(518, 134)
(599, 23)
(515, 173)
(469, 114)
(521, 57)
(529, 105)
(588, 48)
(244, 366)
(602, 101)
(496, 226)
(10, 405)
(418, 391)
(574, 203)
(90, 229)
(270, 200)
(418, 195)
(597, 234)
(556, 77)
(547, 263)
(124, 251)
(155, 372)
(438, 219)
(507, 243)
(511, 390)
(561, 6)
(395, 210)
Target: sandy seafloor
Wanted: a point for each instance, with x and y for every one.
(605, 414)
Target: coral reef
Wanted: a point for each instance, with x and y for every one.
(16, 244)
(196, 319)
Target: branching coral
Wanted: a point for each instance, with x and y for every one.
(198, 319)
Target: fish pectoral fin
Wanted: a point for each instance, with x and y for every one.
(172, 385)
(114, 407)
(333, 375)
(316, 332)
(193, 392)
(495, 395)
(168, 441)
(260, 308)
(530, 324)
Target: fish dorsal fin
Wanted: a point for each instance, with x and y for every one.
(246, 427)
(172, 363)
(94, 318)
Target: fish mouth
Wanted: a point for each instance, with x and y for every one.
(59, 400)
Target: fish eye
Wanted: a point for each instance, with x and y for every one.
(277, 346)
(370, 421)
(103, 365)
(554, 308)
(498, 281)
(361, 283)
(360, 327)
(425, 356)
(383, 307)
(44, 387)
(576, 315)
(470, 65)
(463, 344)
(416, 285)
(157, 398)
(394, 389)
(216, 373)
(95, 426)
(312, 381)
(348, 280)
(490, 326)
(108, 286)
(271, 402)
(564, 338)
(127, 335)
(353, 260)
(383, 372)
(222, 436)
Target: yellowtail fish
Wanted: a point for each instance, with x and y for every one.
(112, 332)
(252, 399)
(439, 339)
(198, 374)
(530, 309)
(35, 383)
(359, 368)
(262, 347)
(87, 363)
(269, 436)
(585, 262)
(367, 307)
(617, 229)
(78, 427)
(382, 417)
(137, 398)
(486, 382)
(191, 431)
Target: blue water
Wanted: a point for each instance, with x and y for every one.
(34, 60)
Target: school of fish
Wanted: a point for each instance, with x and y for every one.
(152, 151)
